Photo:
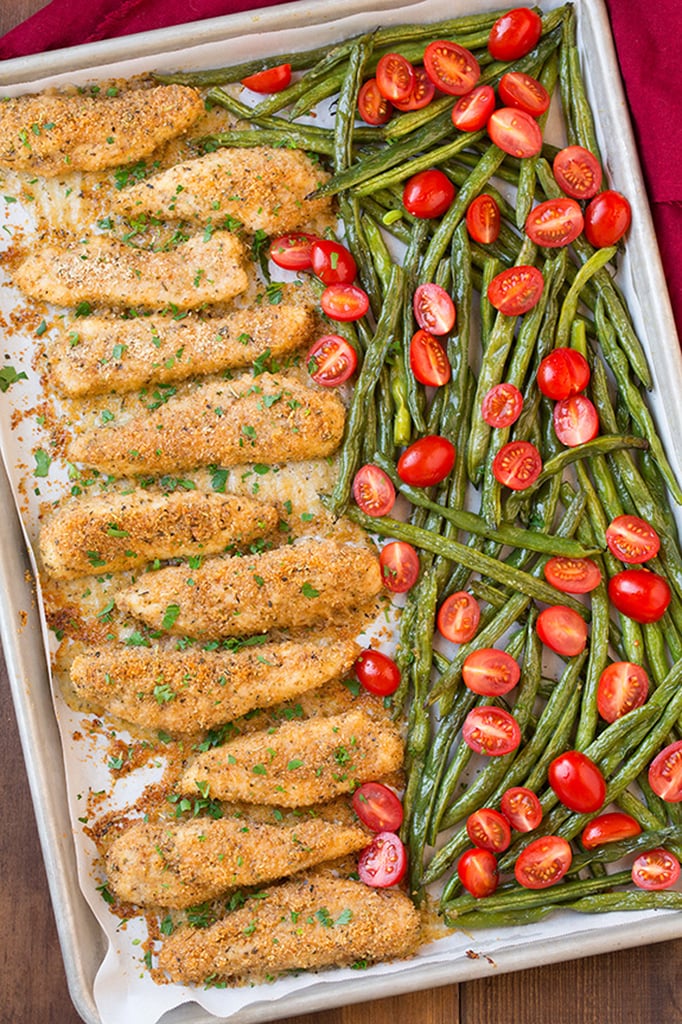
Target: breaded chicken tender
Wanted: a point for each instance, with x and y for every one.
(106, 272)
(267, 419)
(297, 585)
(189, 690)
(177, 864)
(114, 532)
(313, 922)
(56, 133)
(94, 355)
(263, 188)
(298, 764)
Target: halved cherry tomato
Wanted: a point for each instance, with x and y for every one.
(517, 465)
(458, 617)
(270, 80)
(521, 91)
(332, 262)
(395, 77)
(516, 290)
(331, 360)
(429, 360)
(422, 93)
(543, 863)
(344, 302)
(451, 68)
(378, 673)
(477, 871)
(577, 782)
(522, 808)
(554, 223)
(655, 869)
(378, 807)
(433, 308)
(491, 731)
(490, 672)
(399, 565)
(515, 132)
(384, 862)
(426, 461)
(472, 111)
(293, 251)
(572, 575)
(514, 34)
(562, 630)
(665, 773)
(577, 172)
(428, 193)
(373, 490)
(576, 420)
(489, 830)
(483, 219)
(562, 373)
(632, 539)
(609, 828)
(641, 595)
(622, 687)
(607, 218)
(372, 106)
(502, 405)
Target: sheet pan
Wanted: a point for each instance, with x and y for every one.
(83, 942)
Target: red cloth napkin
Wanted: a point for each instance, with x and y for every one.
(647, 40)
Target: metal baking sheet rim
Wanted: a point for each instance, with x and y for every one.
(80, 936)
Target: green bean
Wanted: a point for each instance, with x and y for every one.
(597, 661)
(293, 135)
(491, 268)
(583, 123)
(526, 189)
(235, 72)
(610, 852)
(569, 309)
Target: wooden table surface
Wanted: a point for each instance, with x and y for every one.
(634, 986)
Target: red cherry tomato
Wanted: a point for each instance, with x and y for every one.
(577, 782)
(422, 93)
(451, 68)
(516, 290)
(514, 34)
(655, 869)
(331, 360)
(521, 91)
(491, 731)
(399, 564)
(270, 80)
(292, 251)
(378, 807)
(554, 223)
(426, 461)
(458, 617)
(433, 308)
(522, 808)
(429, 360)
(477, 871)
(489, 830)
(372, 106)
(665, 773)
(609, 828)
(344, 302)
(576, 420)
(378, 673)
(562, 630)
(641, 595)
(471, 112)
(332, 262)
(373, 491)
(577, 172)
(607, 218)
(562, 373)
(543, 863)
(515, 132)
(502, 405)
(572, 575)
(490, 672)
(623, 686)
(395, 77)
(632, 539)
(483, 219)
(517, 465)
(428, 193)
(384, 862)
